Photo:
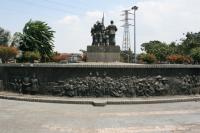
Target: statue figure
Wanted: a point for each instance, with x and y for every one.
(106, 37)
(35, 84)
(19, 84)
(103, 36)
(16, 85)
(69, 89)
(112, 29)
(93, 33)
(26, 85)
(97, 33)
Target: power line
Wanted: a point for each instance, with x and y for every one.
(34, 4)
(66, 4)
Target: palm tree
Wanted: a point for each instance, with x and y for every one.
(38, 36)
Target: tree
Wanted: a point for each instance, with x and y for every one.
(4, 37)
(191, 41)
(127, 56)
(195, 54)
(174, 48)
(7, 53)
(31, 56)
(159, 49)
(17, 39)
(38, 36)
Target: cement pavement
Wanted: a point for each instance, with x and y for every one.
(33, 117)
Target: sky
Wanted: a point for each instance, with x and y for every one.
(164, 20)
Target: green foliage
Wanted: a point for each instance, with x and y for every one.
(191, 41)
(141, 57)
(174, 48)
(31, 56)
(38, 36)
(7, 53)
(157, 48)
(176, 53)
(17, 39)
(4, 37)
(195, 54)
(147, 58)
(127, 56)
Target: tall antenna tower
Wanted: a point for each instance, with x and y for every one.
(126, 44)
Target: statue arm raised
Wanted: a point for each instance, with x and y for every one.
(116, 28)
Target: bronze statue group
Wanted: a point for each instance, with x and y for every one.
(103, 36)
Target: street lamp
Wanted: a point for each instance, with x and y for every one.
(135, 8)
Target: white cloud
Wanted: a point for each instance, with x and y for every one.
(69, 20)
(166, 20)
(163, 20)
(73, 32)
(94, 14)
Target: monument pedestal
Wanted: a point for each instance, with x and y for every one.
(103, 54)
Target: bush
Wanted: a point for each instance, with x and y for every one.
(179, 59)
(140, 58)
(31, 56)
(127, 56)
(159, 49)
(7, 53)
(195, 54)
(147, 58)
(57, 57)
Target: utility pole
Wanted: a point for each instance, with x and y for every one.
(135, 8)
(126, 37)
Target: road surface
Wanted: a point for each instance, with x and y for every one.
(26, 117)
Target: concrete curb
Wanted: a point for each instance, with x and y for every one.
(103, 102)
(97, 65)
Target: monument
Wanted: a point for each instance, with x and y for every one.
(99, 79)
(103, 47)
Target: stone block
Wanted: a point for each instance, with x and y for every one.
(103, 54)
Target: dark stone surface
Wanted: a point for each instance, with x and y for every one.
(112, 49)
(103, 54)
(87, 80)
(1, 85)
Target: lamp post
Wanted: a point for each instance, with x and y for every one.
(135, 8)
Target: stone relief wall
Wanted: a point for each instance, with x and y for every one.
(106, 86)
(25, 85)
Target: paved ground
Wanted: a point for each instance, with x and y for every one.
(26, 117)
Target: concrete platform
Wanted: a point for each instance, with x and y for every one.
(98, 101)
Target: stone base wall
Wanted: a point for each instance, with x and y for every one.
(1, 85)
(103, 54)
(80, 80)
